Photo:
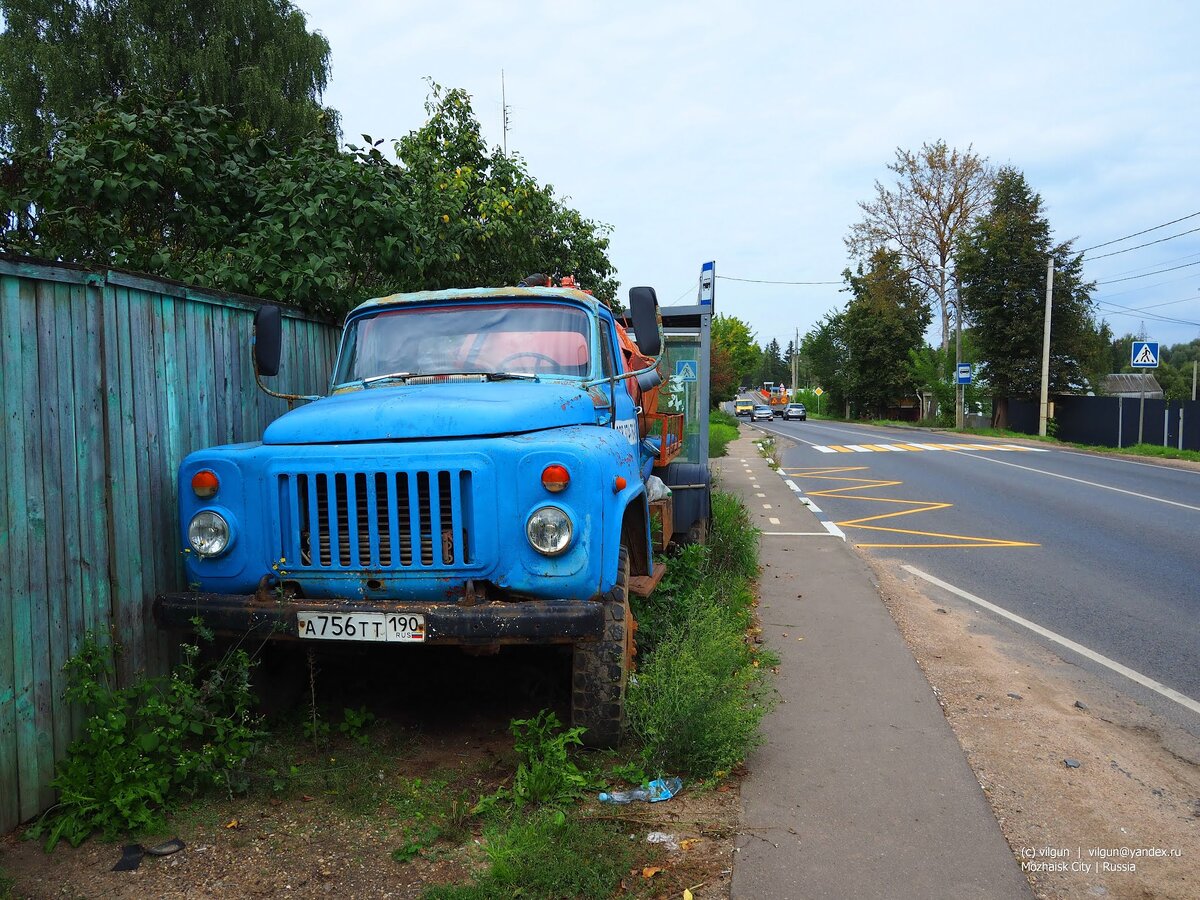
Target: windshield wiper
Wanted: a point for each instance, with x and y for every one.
(405, 376)
(390, 376)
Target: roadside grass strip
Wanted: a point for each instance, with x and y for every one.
(849, 488)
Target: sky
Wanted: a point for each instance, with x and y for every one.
(747, 133)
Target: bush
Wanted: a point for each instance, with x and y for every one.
(146, 745)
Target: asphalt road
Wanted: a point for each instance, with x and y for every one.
(1100, 550)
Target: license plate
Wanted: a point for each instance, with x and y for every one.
(405, 628)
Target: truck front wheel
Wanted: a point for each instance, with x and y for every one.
(600, 669)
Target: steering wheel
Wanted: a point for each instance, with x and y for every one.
(531, 354)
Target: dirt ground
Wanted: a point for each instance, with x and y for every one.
(1126, 822)
(449, 728)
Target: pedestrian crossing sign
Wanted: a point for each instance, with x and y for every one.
(685, 369)
(1144, 355)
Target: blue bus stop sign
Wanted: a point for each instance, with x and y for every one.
(964, 373)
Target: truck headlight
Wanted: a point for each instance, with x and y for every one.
(208, 533)
(549, 530)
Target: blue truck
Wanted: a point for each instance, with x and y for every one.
(477, 475)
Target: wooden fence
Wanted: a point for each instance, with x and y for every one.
(107, 381)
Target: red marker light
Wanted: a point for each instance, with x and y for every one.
(555, 478)
(205, 483)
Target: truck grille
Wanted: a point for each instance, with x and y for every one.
(376, 520)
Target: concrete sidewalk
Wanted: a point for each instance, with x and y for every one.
(861, 789)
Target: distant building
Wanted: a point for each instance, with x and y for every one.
(1130, 384)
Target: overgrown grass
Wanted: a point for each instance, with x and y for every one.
(701, 692)
(1156, 451)
(722, 429)
(1152, 450)
(547, 855)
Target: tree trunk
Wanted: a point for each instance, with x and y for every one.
(1000, 412)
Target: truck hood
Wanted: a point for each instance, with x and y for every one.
(413, 412)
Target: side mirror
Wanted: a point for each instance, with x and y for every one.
(268, 340)
(643, 309)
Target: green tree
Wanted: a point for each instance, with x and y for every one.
(937, 191)
(733, 337)
(183, 190)
(482, 218)
(132, 186)
(1002, 265)
(885, 320)
(771, 366)
(256, 58)
(825, 347)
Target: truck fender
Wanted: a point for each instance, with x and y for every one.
(635, 535)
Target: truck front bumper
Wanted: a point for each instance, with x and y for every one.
(522, 622)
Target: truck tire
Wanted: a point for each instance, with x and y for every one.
(600, 669)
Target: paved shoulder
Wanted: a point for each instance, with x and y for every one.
(862, 789)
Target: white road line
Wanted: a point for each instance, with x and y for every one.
(856, 448)
(824, 449)
(797, 534)
(834, 530)
(795, 487)
(1156, 686)
(810, 504)
(1095, 484)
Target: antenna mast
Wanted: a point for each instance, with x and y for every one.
(504, 112)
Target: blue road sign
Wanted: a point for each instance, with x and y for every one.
(708, 274)
(1144, 355)
(685, 369)
(964, 373)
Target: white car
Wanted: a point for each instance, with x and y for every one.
(762, 413)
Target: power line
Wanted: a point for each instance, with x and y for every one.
(767, 281)
(1137, 270)
(1137, 233)
(1140, 312)
(1140, 246)
(1148, 274)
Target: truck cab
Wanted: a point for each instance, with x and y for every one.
(475, 476)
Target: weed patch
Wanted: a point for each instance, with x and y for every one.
(147, 745)
(545, 773)
(547, 855)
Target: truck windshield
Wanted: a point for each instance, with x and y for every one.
(491, 339)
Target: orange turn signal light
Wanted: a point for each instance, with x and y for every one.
(619, 484)
(555, 478)
(205, 483)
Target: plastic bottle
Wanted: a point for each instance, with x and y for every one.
(655, 791)
(624, 796)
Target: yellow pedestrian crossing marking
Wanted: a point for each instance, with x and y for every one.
(921, 447)
(844, 484)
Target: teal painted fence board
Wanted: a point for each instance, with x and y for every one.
(107, 381)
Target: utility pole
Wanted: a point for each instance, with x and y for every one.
(796, 362)
(1042, 409)
(1194, 379)
(960, 390)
